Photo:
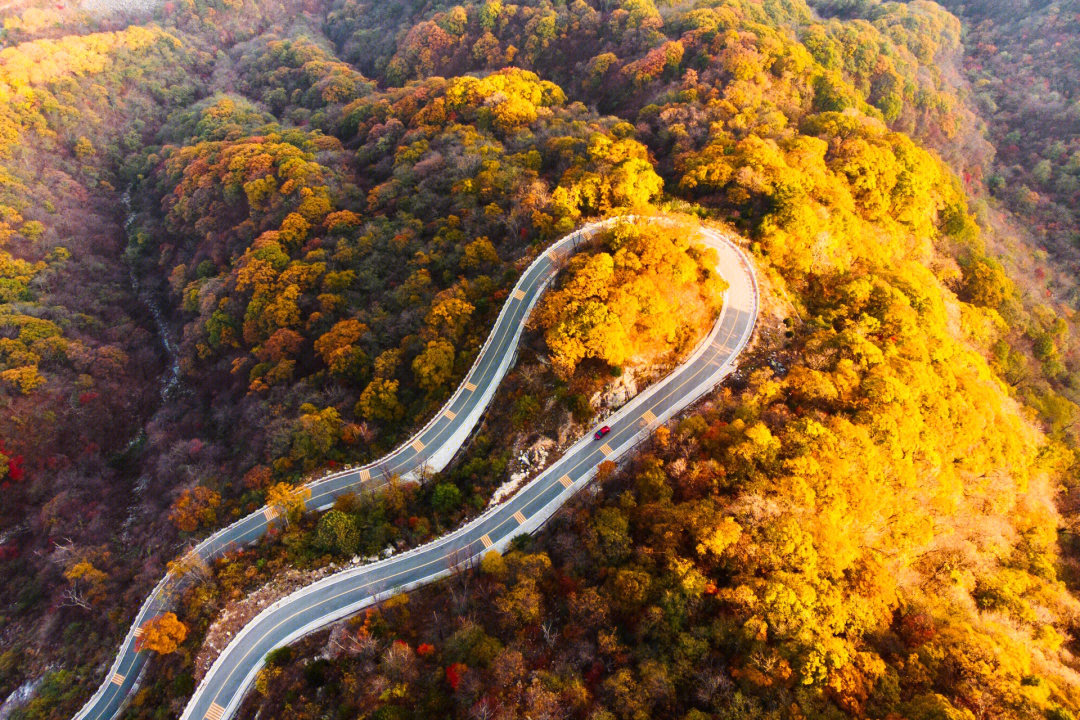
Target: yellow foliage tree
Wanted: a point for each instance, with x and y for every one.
(434, 366)
(648, 292)
(379, 400)
(85, 570)
(288, 500)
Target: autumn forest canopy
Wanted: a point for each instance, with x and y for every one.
(247, 241)
(643, 291)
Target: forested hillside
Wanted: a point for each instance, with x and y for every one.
(815, 544)
(80, 364)
(1022, 64)
(328, 204)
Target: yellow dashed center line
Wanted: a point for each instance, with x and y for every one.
(216, 712)
(486, 539)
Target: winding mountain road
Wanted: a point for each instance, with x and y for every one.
(315, 606)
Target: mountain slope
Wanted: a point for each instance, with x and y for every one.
(327, 197)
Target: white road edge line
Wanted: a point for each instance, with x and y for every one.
(444, 450)
(532, 523)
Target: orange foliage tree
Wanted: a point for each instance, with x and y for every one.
(195, 507)
(162, 634)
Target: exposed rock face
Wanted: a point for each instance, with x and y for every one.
(617, 393)
(566, 427)
(538, 451)
(531, 460)
(238, 613)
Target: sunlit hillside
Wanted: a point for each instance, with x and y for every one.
(245, 243)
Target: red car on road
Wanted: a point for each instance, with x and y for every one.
(601, 432)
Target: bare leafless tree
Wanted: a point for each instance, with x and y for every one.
(436, 622)
(73, 596)
(551, 633)
(62, 552)
(710, 681)
(484, 709)
(461, 563)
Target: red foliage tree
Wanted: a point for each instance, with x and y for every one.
(453, 675)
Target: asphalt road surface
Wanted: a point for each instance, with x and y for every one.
(334, 597)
